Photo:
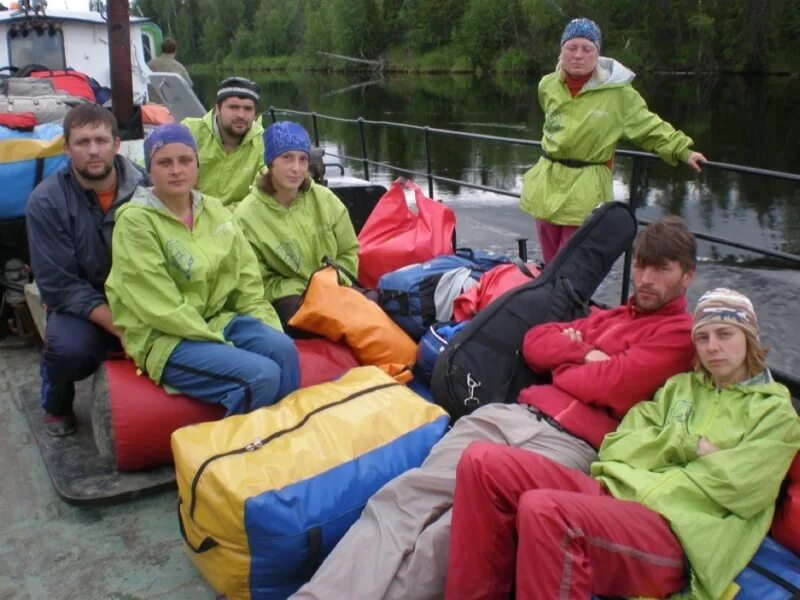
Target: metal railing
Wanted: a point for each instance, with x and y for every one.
(636, 185)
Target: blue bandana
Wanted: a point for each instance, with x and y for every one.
(582, 28)
(171, 133)
(285, 136)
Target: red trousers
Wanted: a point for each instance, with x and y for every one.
(553, 532)
(552, 237)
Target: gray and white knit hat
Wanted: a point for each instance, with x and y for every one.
(240, 87)
(722, 305)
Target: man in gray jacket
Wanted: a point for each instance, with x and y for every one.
(69, 219)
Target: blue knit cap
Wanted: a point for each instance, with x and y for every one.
(285, 136)
(582, 28)
(171, 133)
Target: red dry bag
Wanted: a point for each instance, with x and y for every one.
(69, 81)
(395, 236)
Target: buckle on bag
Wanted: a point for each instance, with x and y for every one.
(471, 401)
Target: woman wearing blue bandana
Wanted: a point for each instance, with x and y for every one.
(589, 105)
(186, 293)
(291, 222)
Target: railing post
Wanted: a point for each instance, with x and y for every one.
(272, 113)
(522, 249)
(315, 128)
(428, 161)
(633, 201)
(364, 158)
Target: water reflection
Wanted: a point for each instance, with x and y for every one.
(752, 121)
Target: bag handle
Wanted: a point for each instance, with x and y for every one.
(328, 262)
(408, 184)
(207, 544)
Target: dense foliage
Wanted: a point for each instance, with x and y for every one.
(505, 35)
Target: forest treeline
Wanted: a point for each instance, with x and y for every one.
(756, 36)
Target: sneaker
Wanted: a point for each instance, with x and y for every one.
(60, 425)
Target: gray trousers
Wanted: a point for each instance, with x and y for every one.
(398, 549)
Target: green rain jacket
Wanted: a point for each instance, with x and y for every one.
(168, 283)
(719, 506)
(587, 128)
(224, 175)
(291, 242)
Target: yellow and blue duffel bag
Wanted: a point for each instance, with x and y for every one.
(264, 497)
(27, 157)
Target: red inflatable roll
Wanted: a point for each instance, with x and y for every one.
(786, 523)
(139, 416)
(133, 418)
(322, 360)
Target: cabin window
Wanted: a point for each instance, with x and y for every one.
(41, 45)
(148, 50)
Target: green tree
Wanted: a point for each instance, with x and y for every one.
(487, 27)
(431, 24)
(356, 27)
(278, 27)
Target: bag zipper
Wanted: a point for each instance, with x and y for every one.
(260, 443)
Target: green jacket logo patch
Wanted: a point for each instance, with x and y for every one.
(180, 258)
(680, 411)
(288, 251)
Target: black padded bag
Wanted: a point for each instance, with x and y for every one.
(483, 362)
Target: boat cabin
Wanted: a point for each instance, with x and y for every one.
(57, 39)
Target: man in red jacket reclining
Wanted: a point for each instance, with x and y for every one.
(601, 366)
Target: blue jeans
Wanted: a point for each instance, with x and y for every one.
(73, 349)
(258, 370)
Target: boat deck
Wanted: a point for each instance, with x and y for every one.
(52, 550)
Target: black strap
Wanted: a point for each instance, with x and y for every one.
(314, 550)
(787, 585)
(332, 263)
(571, 163)
(403, 302)
(522, 267)
(206, 545)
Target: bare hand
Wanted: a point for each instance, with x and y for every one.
(596, 356)
(694, 161)
(573, 334)
(704, 447)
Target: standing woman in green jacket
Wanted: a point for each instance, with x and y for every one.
(680, 499)
(589, 105)
(185, 291)
(291, 222)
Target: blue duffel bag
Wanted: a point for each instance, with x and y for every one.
(27, 157)
(419, 295)
(431, 345)
(772, 574)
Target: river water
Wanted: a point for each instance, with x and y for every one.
(748, 121)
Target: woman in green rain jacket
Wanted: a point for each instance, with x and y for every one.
(589, 105)
(185, 291)
(291, 222)
(679, 501)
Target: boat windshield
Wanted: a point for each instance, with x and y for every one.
(42, 45)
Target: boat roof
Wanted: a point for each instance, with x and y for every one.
(80, 16)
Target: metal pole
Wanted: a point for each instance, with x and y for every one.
(522, 249)
(633, 202)
(272, 113)
(119, 54)
(315, 128)
(429, 163)
(364, 158)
